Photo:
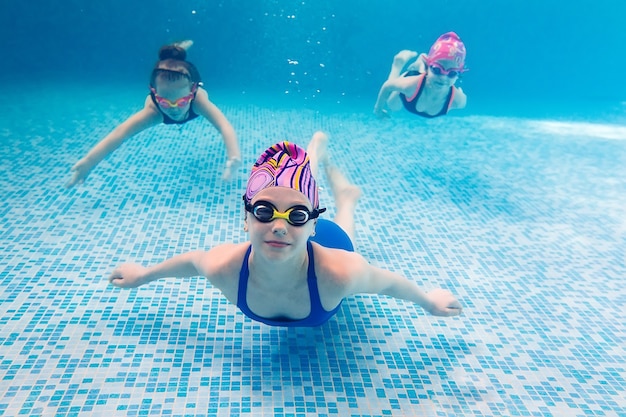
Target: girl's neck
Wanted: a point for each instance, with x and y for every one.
(278, 273)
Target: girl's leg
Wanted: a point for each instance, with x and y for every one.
(317, 153)
(186, 44)
(420, 64)
(346, 196)
(345, 193)
(400, 62)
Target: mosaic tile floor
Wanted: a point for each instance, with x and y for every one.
(523, 219)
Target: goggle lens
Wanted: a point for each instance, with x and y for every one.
(167, 104)
(437, 70)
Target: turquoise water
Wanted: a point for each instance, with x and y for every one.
(534, 49)
(515, 204)
(522, 218)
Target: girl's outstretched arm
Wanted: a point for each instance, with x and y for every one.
(180, 266)
(143, 119)
(367, 278)
(204, 107)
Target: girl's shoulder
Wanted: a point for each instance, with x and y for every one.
(201, 93)
(224, 260)
(338, 272)
(337, 266)
(460, 99)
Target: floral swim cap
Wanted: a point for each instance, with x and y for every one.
(283, 165)
(448, 47)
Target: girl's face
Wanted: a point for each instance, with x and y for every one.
(443, 73)
(174, 97)
(278, 239)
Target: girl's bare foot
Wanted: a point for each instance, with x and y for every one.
(400, 61)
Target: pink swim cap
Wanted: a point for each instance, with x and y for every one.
(449, 47)
(283, 165)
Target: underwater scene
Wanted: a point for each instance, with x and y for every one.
(472, 154)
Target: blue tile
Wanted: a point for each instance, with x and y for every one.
(524, 223)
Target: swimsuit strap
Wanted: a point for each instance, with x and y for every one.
(242, 303)
(419, 88)
(314, 294)
(450, 98)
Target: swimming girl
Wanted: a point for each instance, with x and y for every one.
(424, 84)
(297, 268)
(176, 97)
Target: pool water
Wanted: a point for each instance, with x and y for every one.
(522, 218)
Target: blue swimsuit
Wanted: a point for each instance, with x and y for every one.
(327, 234)
(411, 102)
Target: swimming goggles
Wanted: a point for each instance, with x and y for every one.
(437, 69)
(296, 216)
(167, 104)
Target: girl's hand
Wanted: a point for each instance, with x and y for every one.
(232, 165)
(443, 303)
(80, 171)
(128, 276)
(381, 113)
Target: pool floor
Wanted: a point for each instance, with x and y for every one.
(523, 219)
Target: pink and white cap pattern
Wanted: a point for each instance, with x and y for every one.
(284, 164)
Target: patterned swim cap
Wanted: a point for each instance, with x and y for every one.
(283, 165)
(449, 47)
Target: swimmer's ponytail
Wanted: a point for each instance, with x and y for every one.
(172, 52)
(177, 50)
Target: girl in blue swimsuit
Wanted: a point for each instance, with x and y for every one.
(297, 268)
